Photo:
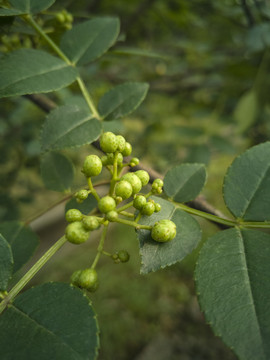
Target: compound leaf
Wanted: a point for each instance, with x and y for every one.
(31, 6)
(23, 242)
(122, 100)
(6, 263)
(246, 184)
(52, 321)
(184, 182)
(57, 171)
(89, 40)
(232, 277)
(157, 255)
(28, 71)
(69, 126)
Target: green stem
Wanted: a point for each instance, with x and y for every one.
(124, 207)
(251, 224)
(31, 273)
(127, 214)
(100, 247)
(88, 98)
(92, 189)
(133, 223)
(114, 174)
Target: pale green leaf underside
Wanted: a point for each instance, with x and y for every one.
(122, 100)
(232, 277)
(29, 71)
(23, 242)
(89, 40)
(247, 183)
(31, 6)
(69, 126)
(52, 321)
(154, 255)
(57, 171)
(246, 110)
(6, 263)
(184, 182)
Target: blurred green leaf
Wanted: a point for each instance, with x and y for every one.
(232, 278)
(57, 171)
(10, 12)
(28, 71)
(154, 255)
(52, 321)
(122, 100)
(246, 184)
(31, 6)
(89, 40)
(246, 110)
(85, 207)
(6, 263)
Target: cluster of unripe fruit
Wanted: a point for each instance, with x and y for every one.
(122, 187)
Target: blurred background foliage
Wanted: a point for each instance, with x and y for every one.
(207, 64)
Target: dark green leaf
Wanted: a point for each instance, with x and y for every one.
(53, 321)
(28, 71)
(159, 255)
(89, 40)
(57, 171)
(246, 110)
(184, 182)
(10, 12)
(69, 126)
(247, 183)
(6, 263)
(23, 242)
(233, 285)
(122, 100)
(31, 6)
(85, 207)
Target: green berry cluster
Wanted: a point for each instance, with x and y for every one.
(64, 18)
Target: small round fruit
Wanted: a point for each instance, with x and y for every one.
(124, 189)
(88, 279)
(90, 223)
(139, 202)
(143, 176)
(163, 231)
(157, 207)
(112, 215)
(108, 142)
(134, 162)
(127, 150)
(73, 215)
(148, 209)
(123, 256)
(75, 277)
(157, 183)
(134, 181)
(106, 204)
(76, 233)
(121, 143)
(92, 166)
(82, 195)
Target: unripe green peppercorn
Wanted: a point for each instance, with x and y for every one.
(134, 162)
(121, 143)
(90, 223)
(92, 166)
(88, 279)
(148, 209)
(108, 142)
(81, 195)
(123, 256)
(157, 207)
(128, 149)
(143, 176)
(112, 215)
(75, 277)
(76, 233)
(134, 181)
(157, 183)
(124, 189)
(139, 202)
(73, 215)
(106, 204)
(163, 231)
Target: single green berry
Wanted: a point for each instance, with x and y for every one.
(88, 279)
(139, 202)
(108, 142)
(123, 256)
(92, 166)
(148, 209)
(143, 176)
(75, 277)
(104, 160)
(127, 150)
(157, 207)
(81, 195)
(134, 162)
(106, 204)
(119, 159)
(90, 223)
(69, 17)
(76, 233)
(134, 181)
(114, 257)
(163, 231)
(121, 143)
(158, 183)
(124, 189)
(112, 215)
(73, 215)
(60, 17)
(118, 199)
